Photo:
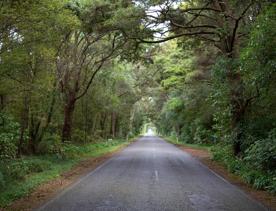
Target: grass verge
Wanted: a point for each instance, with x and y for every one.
(20, 177)
(258, 179)
(260, 185)
(174, 140)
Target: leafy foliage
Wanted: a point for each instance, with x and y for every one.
(262, 154)
(9, 134)
(74, 74)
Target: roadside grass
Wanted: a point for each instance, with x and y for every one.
(21, 176)
(257, 178)
(173, 140)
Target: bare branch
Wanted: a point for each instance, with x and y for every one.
(176, 36)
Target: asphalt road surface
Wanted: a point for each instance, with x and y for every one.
(152, 174)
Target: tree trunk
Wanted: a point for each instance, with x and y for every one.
(113, 124)
(236, 124)
(2, 104)
(68, 119)
(117, 127)
(23, 124)
(84, 105)
(33, 134)
(94, 124)
(49, 114)
(102, 124)
(238, 109)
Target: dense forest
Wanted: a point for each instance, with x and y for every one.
(77, 73)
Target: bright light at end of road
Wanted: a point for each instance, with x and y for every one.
(150, 132)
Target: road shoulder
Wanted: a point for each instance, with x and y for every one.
(49, 190)
(204, 156)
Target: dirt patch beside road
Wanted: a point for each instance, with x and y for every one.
(205, 157)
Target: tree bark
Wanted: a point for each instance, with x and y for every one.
(94, 123)
(33, 134)
(24, 123)
(2, 102)
(68, 119)
(237, 102)
(102, 124)
(113, 124)
(49, 114)
(237, 112)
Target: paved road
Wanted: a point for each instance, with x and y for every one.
(152, 174)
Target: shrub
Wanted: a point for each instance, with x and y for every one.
(202, 135)
(70, 151)
(186, 134)
(262, 154)
(51, 144)
(8, 146)
(272, 186)
(78, 136)
(9, 135)
(17, 170)
(261, 181)
(258, 178)
(222, 153)
(38, 165)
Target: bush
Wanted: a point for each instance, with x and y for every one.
(258, 178)
(70, 151)
(262, 154)
(186, 134)
(51, 144)
(222, 153)
(18, 170)
(9, 135)
(261, 181)
(38, 165)
(202, 135)
(8, 148)
(78, 136)
(272, 186)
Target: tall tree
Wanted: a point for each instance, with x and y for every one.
(222, 23)
(84, 51)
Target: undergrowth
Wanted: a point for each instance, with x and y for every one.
(259, 178)
(18, 177)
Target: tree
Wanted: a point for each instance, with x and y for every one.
(83, 53)
(222, 23)
(27, 59)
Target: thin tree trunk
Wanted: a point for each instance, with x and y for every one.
(102, 123)
(94, 125)
(24, 124)
(68, 120)
(113, 124)
(33, 134)
(49, 114)
(2, 102)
